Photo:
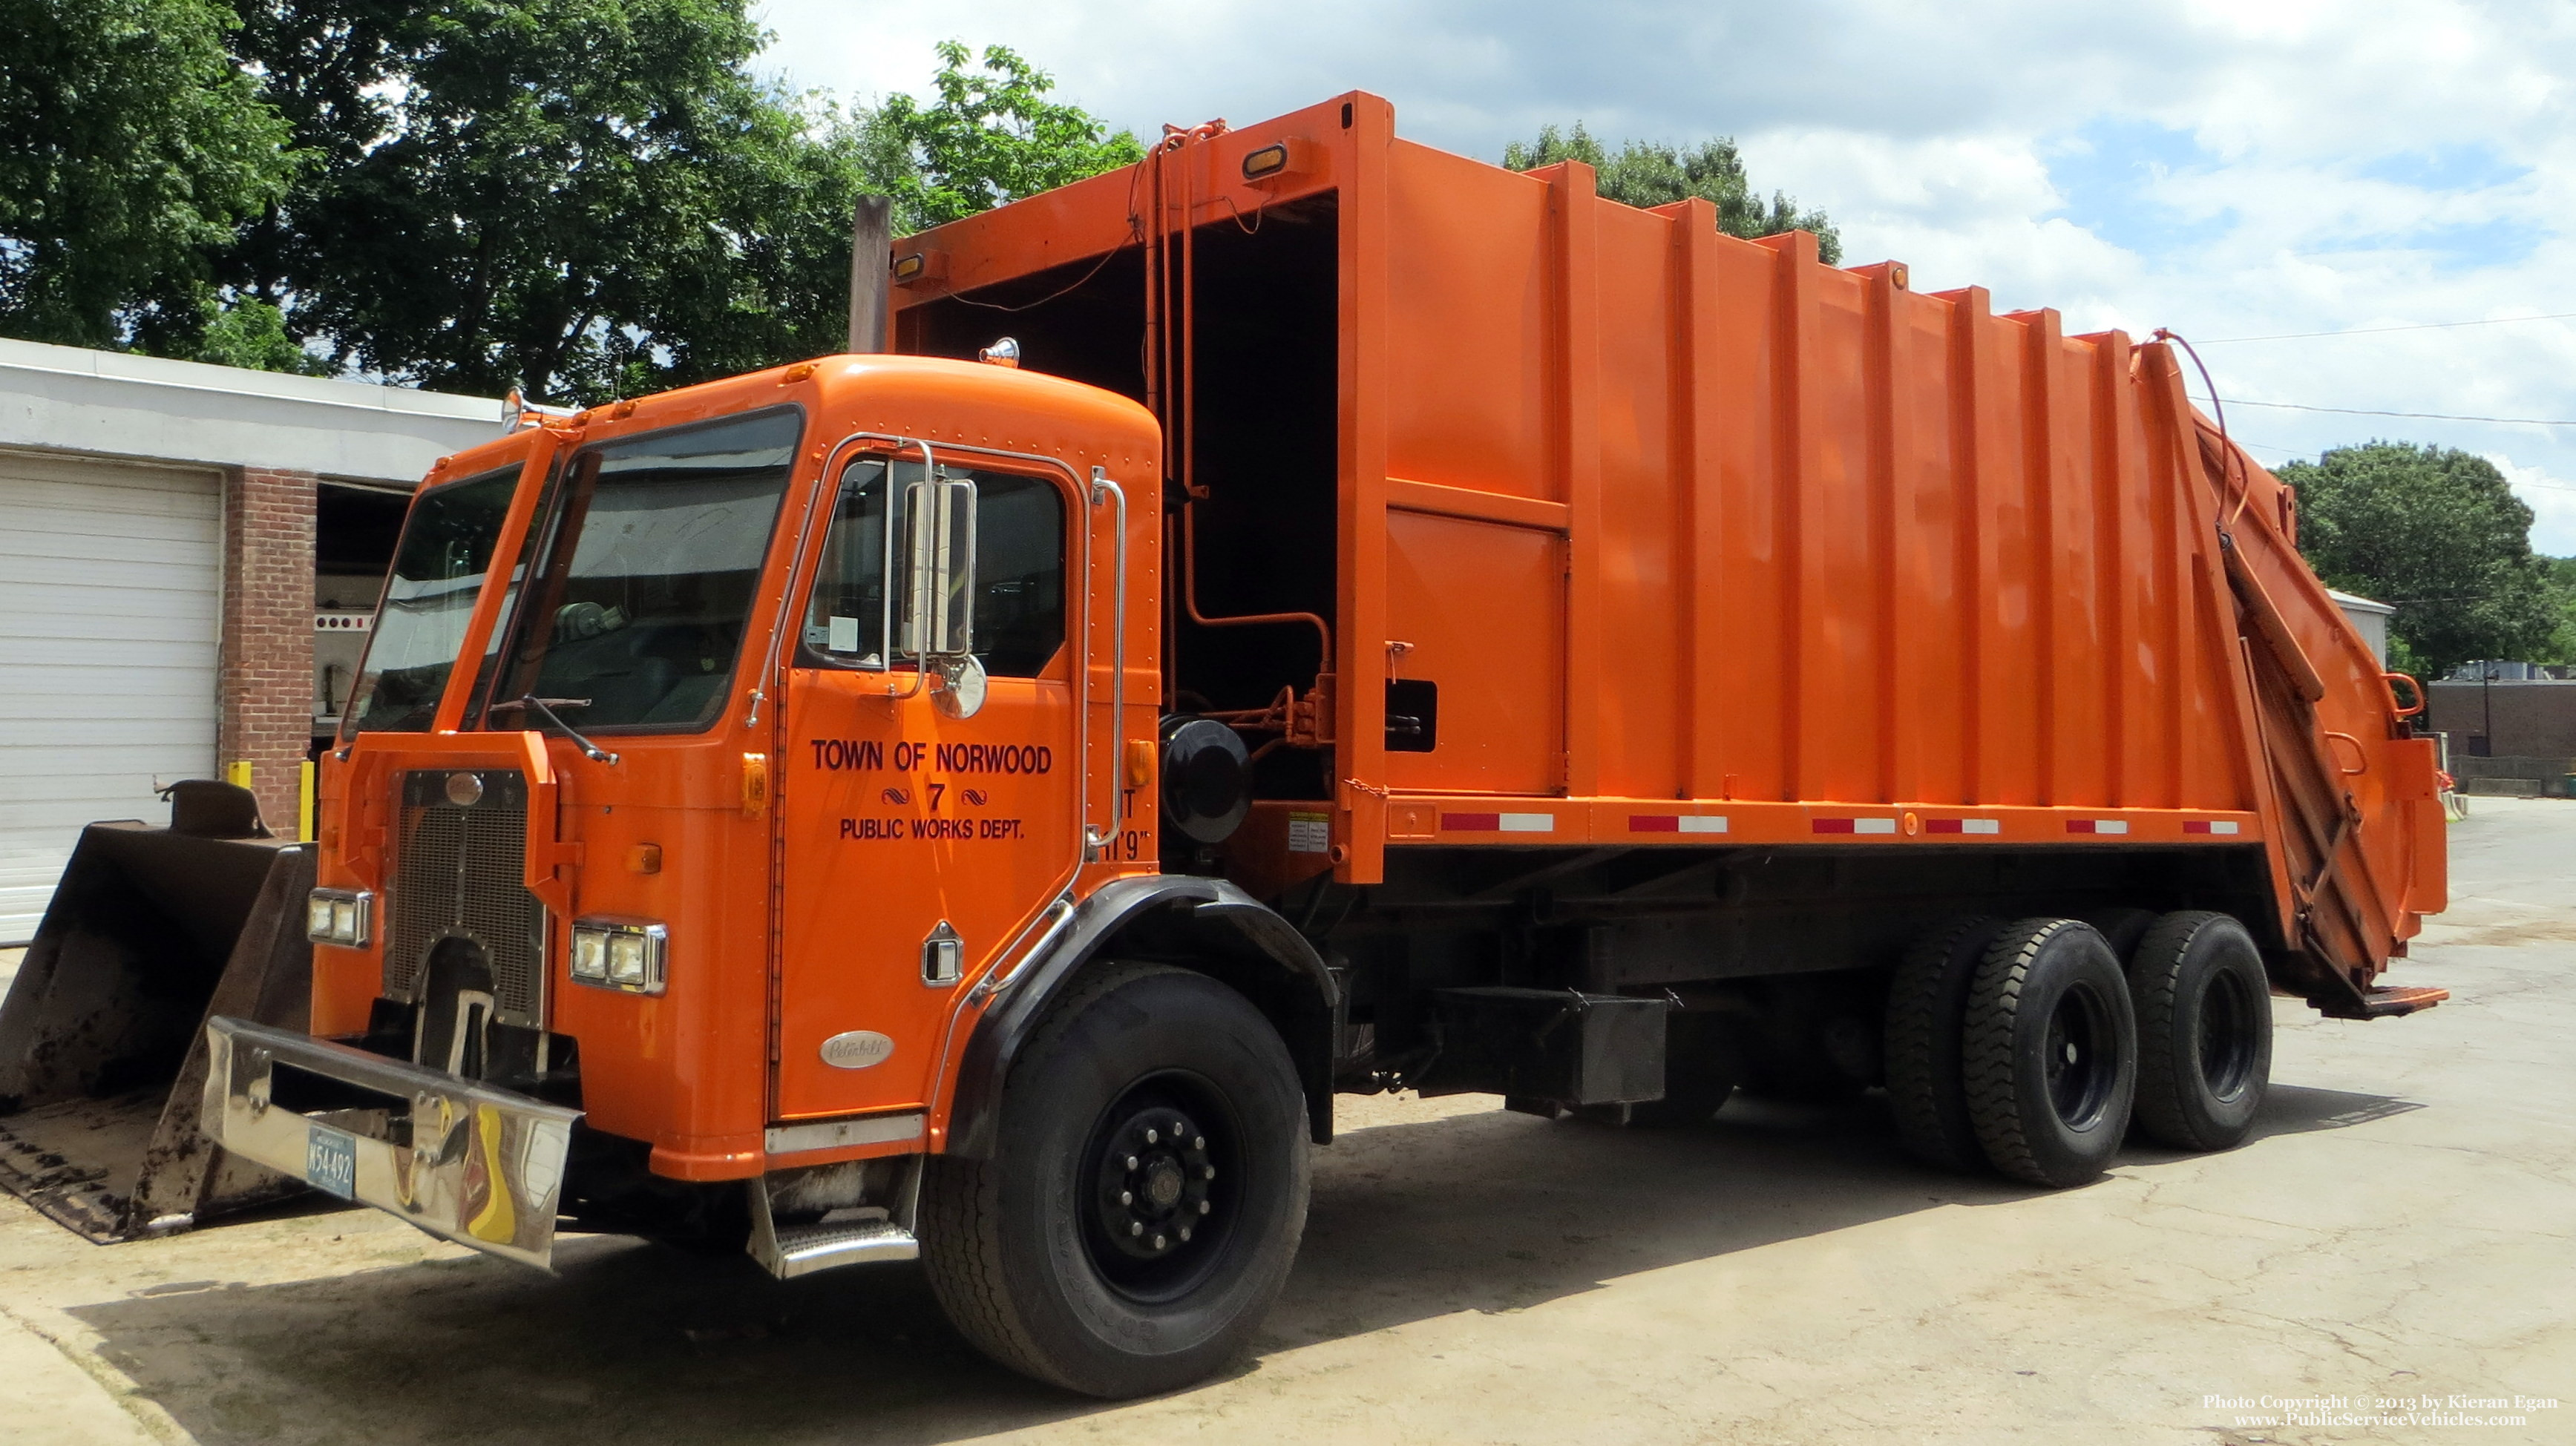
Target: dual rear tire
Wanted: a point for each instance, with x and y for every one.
(2028, 1047)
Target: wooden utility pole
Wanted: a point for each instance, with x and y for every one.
(871, 242)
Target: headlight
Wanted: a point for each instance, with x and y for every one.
(623, 954)
(339, 916)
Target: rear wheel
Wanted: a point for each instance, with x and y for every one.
(2050, 1052)
(1146, 1192)
(2204, 1012)
(1927, 1008)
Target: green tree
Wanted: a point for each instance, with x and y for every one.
(989, 138)
(1648, 173)
(597, 197)
(2437, 533)
(581, 197)
(129, 145)
(244, 331)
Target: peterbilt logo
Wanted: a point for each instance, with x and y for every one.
(857, 1049)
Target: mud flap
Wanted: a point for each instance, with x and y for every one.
(102, 1037)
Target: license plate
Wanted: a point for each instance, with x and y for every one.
(331, 1161)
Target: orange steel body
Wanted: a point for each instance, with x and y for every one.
(1708, 543)
(1689, 526)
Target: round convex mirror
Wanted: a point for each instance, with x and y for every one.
(961, 686)
(1207, 778)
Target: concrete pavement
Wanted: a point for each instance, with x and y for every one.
(2400, 1229)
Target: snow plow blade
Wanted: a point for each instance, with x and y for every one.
(102, 1036)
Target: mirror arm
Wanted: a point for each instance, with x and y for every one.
(886, 623)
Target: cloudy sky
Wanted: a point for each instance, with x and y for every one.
(2228, 168)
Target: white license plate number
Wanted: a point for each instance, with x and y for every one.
(331, 1161)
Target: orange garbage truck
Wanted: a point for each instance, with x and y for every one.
(1310, 614)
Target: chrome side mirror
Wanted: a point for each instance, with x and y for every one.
(939, 596)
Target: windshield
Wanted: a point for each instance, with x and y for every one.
(438, 570)
(652, 556)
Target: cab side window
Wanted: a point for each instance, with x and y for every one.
(1019, 572)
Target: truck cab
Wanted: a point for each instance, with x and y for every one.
(718, 761)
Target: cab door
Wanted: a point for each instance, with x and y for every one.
(920, 838)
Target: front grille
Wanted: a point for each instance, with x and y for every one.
(459, 872)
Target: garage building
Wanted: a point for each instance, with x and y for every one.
(173, 540)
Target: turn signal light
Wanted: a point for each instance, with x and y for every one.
(339, 916)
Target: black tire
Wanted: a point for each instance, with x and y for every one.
(1927, 1010)
(1030, 1252)
(2204, 1011)
(2050, 1053)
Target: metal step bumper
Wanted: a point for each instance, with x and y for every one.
(461, 1160)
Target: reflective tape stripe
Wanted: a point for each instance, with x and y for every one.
(2209, 825)
(1852, 825)
(1675, 823)
(1498, 822)
(1963, 825)
(2097, 825)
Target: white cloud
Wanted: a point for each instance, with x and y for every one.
(2229, 169)
(2552, 501)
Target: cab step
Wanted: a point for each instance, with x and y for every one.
(855, 1234)
(803, 1249)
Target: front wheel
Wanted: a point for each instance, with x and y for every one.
(1146, 1192)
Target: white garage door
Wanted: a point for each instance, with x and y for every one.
(110, 583)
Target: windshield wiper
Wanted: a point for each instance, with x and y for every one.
(545, 708)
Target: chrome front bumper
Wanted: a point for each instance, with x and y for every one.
(461, 1160)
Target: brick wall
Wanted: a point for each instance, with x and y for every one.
(266, 683)
(2532, 719)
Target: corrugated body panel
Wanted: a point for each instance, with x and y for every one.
(1467, 397)
(1934, 538)
(1751, 498)
(1839, 622)
(1642, 618)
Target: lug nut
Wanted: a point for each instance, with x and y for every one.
(1135, 1227)
(1131, 1162)
(1185, 1232)
(1152, 1138)
(1158, 1242)
(1198, 1142)
(1126, 1197)
(1205, 1207)
(1208, 1174)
